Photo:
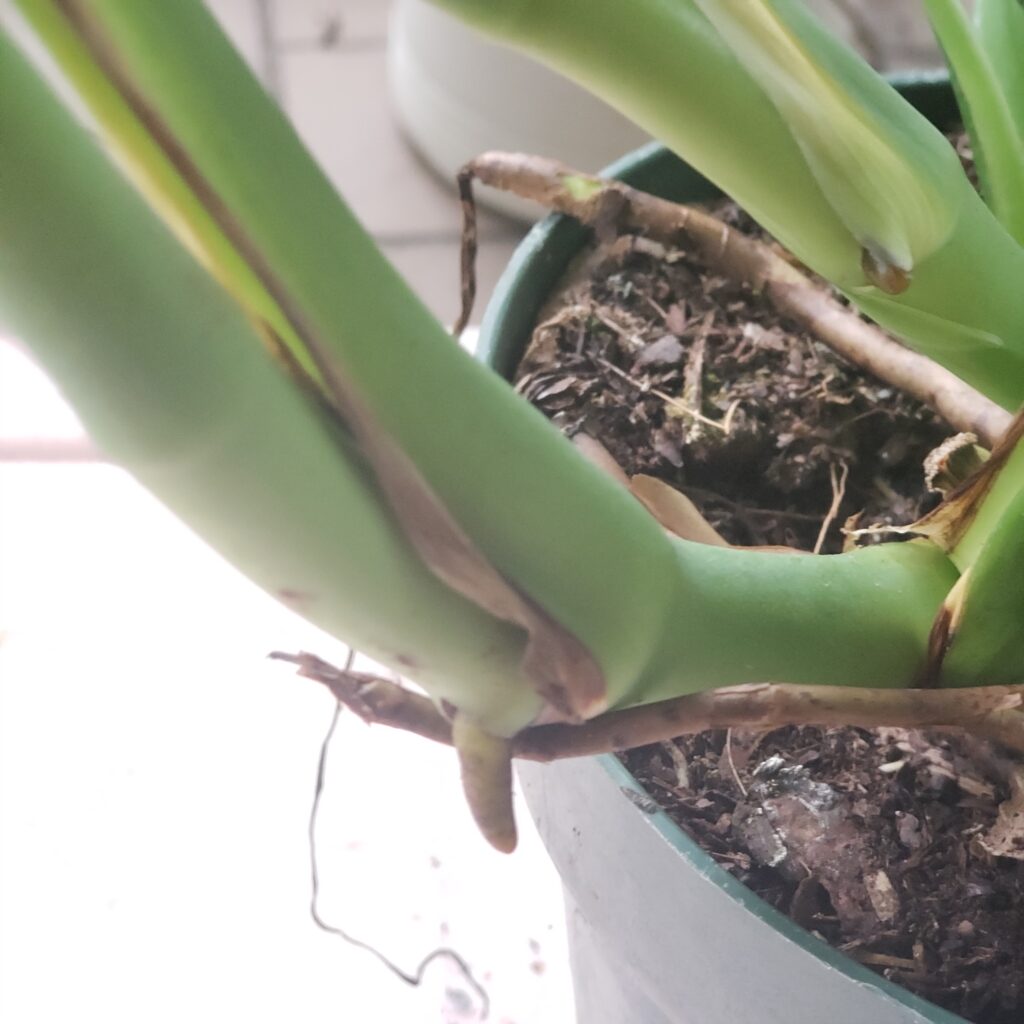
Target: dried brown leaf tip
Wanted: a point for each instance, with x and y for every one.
(948, 523)
(884, 274)
(954, 462)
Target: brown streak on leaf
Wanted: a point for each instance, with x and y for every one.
(467, 249)
(943, 632)
(562, 669)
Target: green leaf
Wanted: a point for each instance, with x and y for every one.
(170, 374)
(987, 638)
(994, 125)
(1001, 31)
(884, 173)
(172, 381)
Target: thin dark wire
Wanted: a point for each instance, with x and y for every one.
(416, 978)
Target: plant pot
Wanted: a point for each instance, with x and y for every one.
(659, 933)
(456, 94)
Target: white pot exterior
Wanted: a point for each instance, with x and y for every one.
(659, 934)
(457, 94)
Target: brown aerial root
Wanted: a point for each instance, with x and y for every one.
(992, 712)
(601, 203)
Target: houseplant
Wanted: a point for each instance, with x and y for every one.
(295, 405)
(634, 881)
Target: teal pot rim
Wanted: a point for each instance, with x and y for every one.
(536, 265)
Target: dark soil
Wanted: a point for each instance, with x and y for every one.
(879, 841)
(889, 844)
(646, 338)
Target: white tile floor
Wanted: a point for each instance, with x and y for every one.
(155, 778)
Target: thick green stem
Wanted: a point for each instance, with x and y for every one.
(174, 383)
(547, 520)
(859, 619)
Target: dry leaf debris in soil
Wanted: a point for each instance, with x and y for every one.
(884, 842)
(903, 849)
(689, 377)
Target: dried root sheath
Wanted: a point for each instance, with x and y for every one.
(728, 252)
(375, 700)
(992, 712)
(485, 760)
(947, 524)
